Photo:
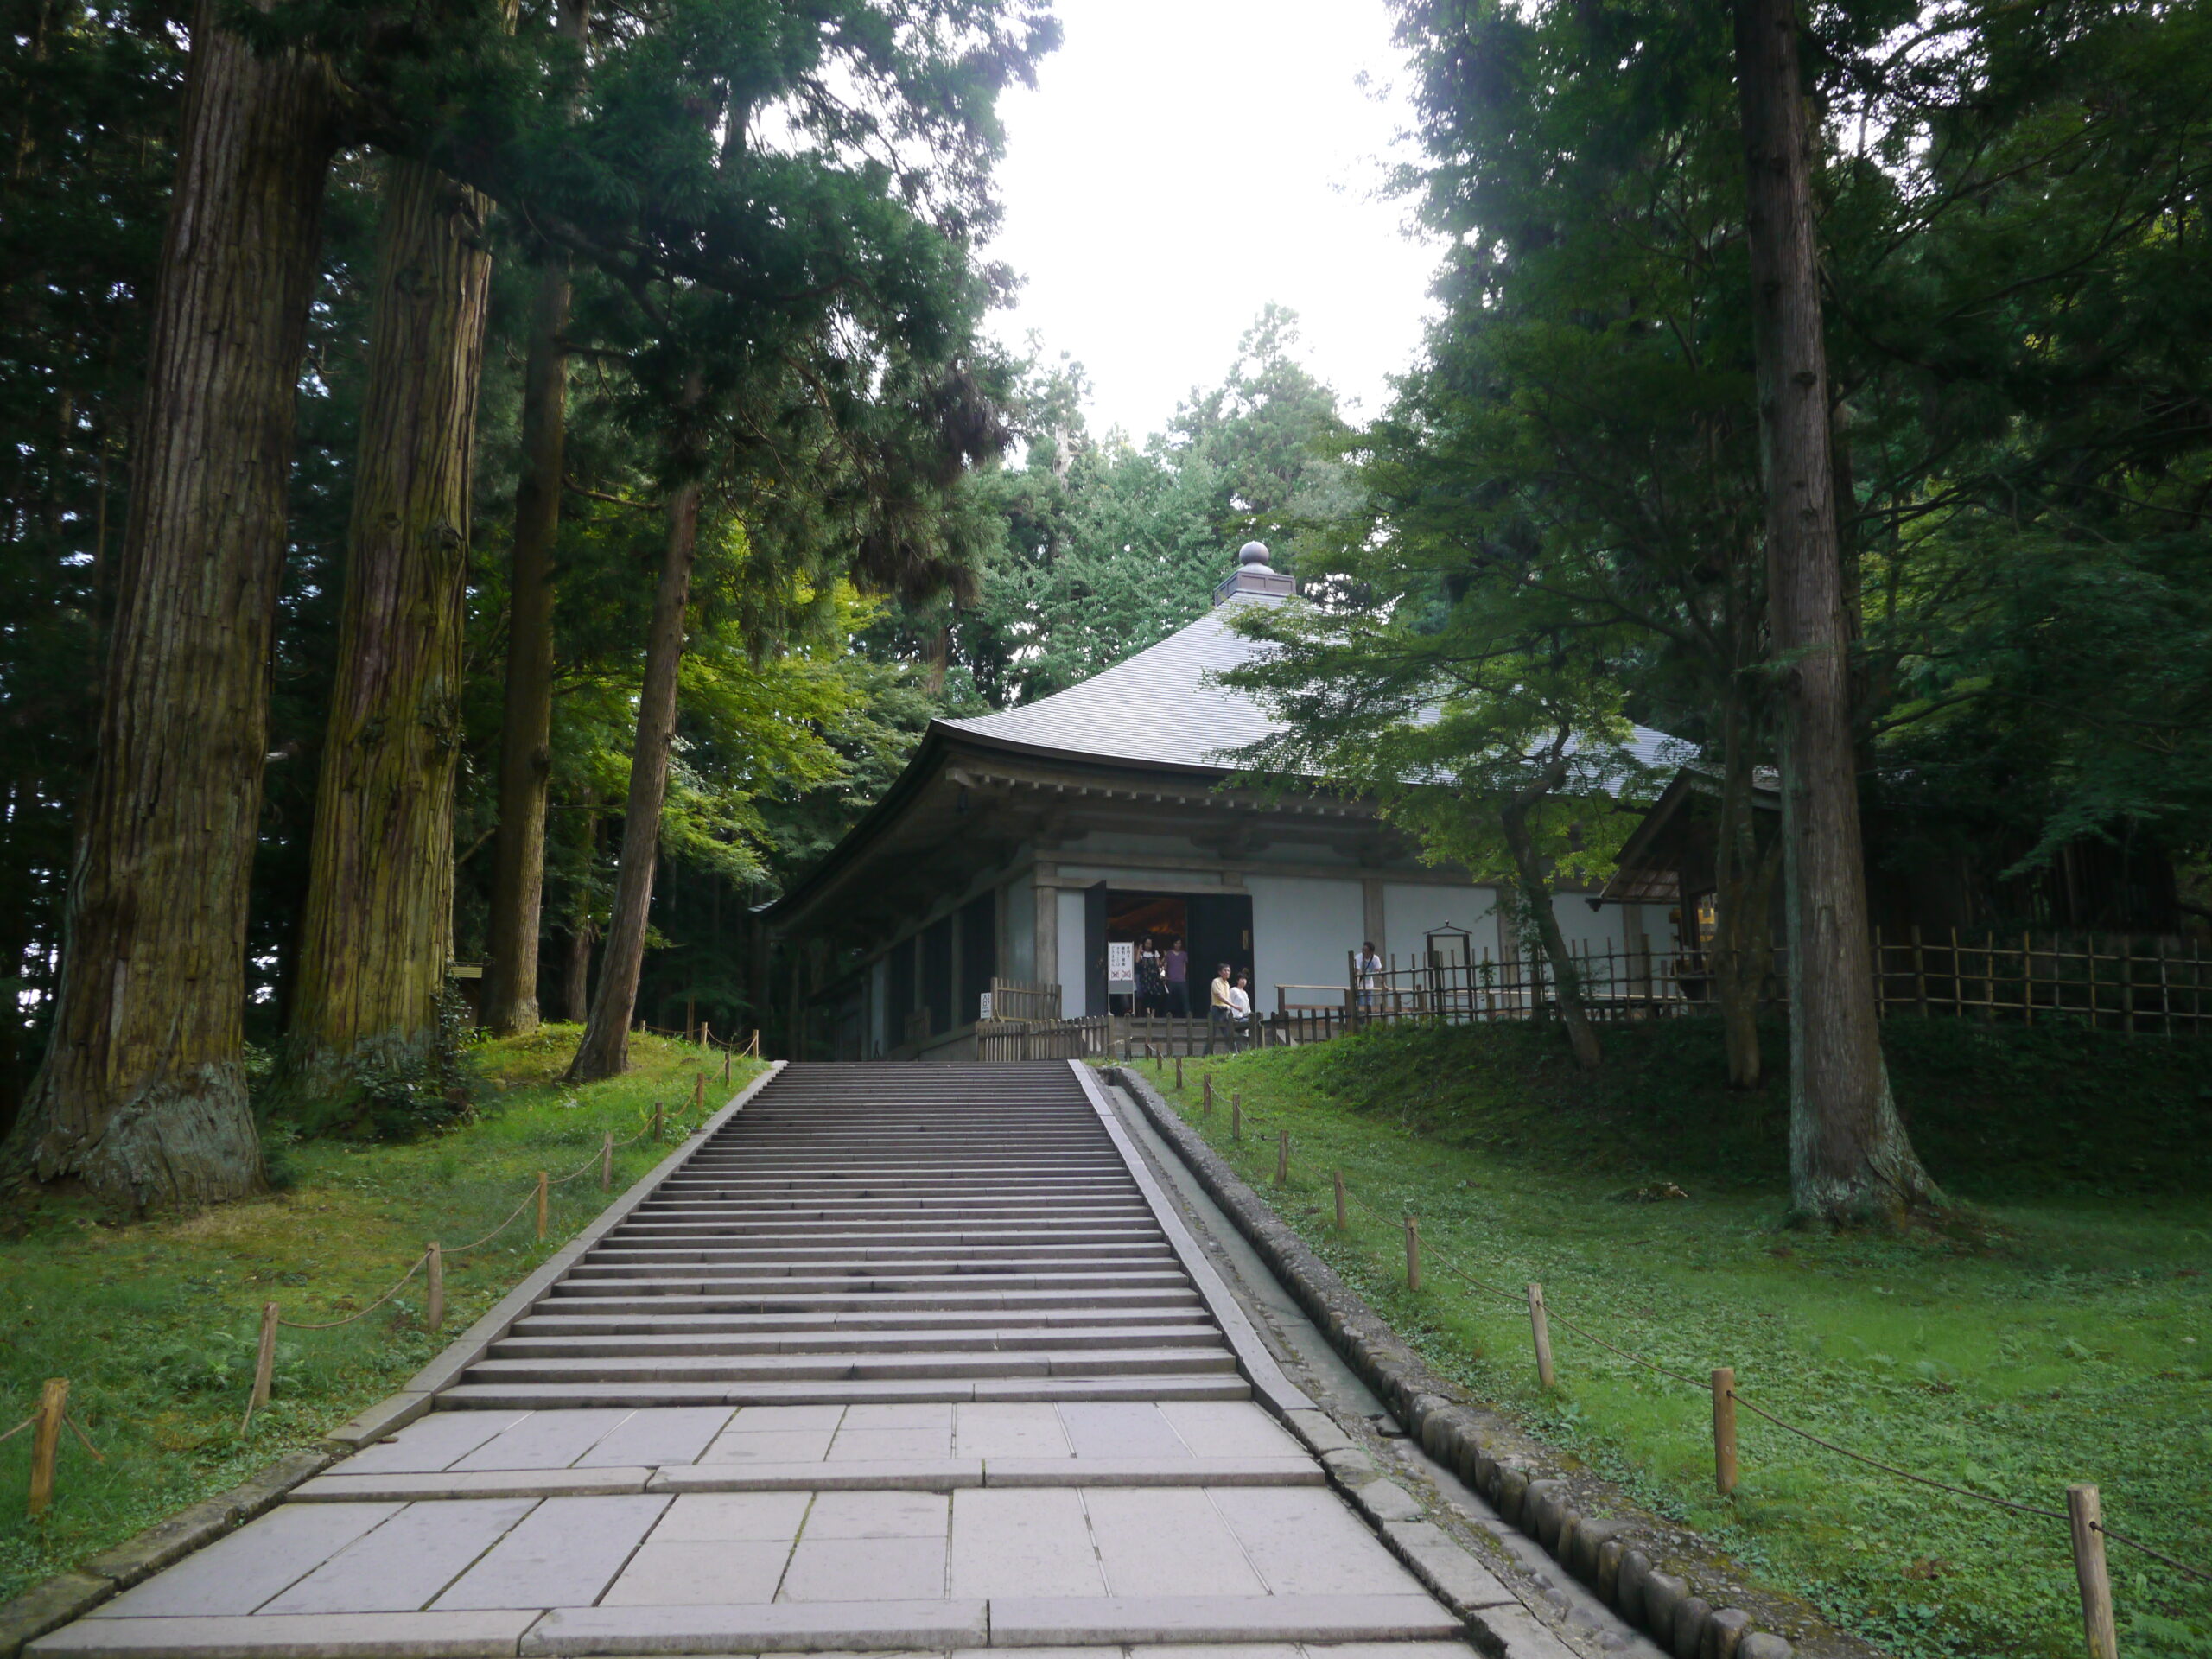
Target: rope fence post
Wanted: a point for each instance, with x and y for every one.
(46, 1441)
(1282, 1158)
(1339, 1176)
(606, 1160)
(727, 1054)
(1723, 1429)
(656, 1124)
(699, 1093)
(264, 1362)
(542, 1186)
(1413, 1254)
(2085, 1517)
(1206, 1104)
(1540, 1329)
(433, 1286)
(1237, 1115)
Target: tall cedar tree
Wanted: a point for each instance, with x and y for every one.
(1850, 1159)
(526, 764)
(378, 931)
(141, 1095)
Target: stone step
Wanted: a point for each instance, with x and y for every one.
(1176, 1312)
(909, 1263)
(861, 1367)
(880, 1283)
(946, 1296)
(546, 1397)
(986, 1340)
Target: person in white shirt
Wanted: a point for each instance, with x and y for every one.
(1370, 974)
(1240, 1006)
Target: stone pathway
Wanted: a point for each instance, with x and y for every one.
(901, 1357)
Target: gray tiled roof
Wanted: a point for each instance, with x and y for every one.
(1152, 708)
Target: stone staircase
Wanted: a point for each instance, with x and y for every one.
(900, 1357)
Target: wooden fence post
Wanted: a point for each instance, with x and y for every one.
(543, 1188)
(1282, 1158)
(433, 1286)
(1541, 1329)
(46, 1441)
(1237, 1115)
(2085, 1514)
(657, 1129)
(1179, 1074)
(699, 1094)
(727, 1055)
(264, 1362)
(1723, 1429)
(1206, 1105)
(606, 1160)
(1339, 1175)
(1413, 1254)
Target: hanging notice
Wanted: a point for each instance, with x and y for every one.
(1121, 965)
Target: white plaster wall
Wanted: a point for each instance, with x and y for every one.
(1595, 929)
(1075, 976)
(1301, 928)
(1018, 934)
(1410, 910)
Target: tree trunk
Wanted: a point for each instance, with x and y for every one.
(605, 1050)
(526, 727)
(378, 927)
(142, 1095)
(526, 723)
(1744, 884)
(1850, 1158)
(1537, 902)
(575, 984)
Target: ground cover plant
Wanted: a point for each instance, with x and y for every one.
(155, 1322)
(2060, 1329)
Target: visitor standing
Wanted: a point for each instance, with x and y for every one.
(1370, 975)
(1152, 981)
(1221, 1024)
(1176, 965)
(1240, 1006)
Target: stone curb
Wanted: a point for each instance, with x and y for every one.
(1614, 1556)
(54, 1602)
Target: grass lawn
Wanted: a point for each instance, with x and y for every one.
(155, 1322)
(2062, 1330)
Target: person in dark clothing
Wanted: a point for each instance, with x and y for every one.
(1175, 967)
(1152, 980)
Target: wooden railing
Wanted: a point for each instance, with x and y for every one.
(1042, 1039)
(1013, 999)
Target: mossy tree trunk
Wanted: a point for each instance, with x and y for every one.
(142, 1095)
(1534, 893)
(605, 1050)
(1850, 1160)
(526, 721)
(378, 925)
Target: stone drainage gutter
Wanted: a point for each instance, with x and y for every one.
(49, 1605)
(1658, 1577)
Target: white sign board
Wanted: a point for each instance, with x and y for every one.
(984, 1011)
(1122, 964)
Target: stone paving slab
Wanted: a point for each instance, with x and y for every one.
(1029, 1621)
(493, 1634)
(342, 1487)
(237, 1574)
(783, 1627)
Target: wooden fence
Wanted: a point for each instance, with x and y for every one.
(1013, 999)
(1042, 1039)
(2115, 982)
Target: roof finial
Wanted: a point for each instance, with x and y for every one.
(1253, 553)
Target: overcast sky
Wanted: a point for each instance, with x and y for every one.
(1184, 161)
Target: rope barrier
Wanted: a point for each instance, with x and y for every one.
(1452, 1269)
(332, 1325)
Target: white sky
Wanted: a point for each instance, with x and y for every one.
(1184, 161)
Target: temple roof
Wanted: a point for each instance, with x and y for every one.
(1152, 708)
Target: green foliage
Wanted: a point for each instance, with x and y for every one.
(399, 1090)
(2059, 1333)
(155, 1322)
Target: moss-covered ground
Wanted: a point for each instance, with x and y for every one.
(2058, 1329)
(155, 1322)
